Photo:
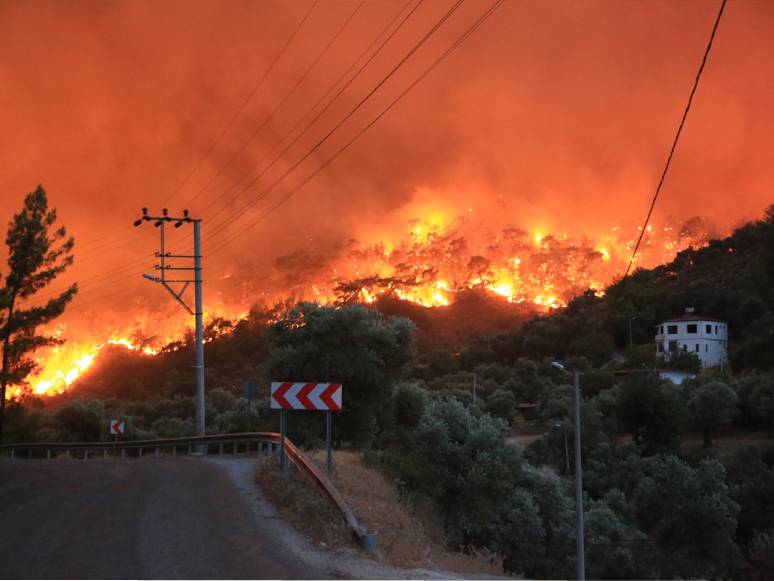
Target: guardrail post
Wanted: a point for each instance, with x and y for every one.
(174, 451)
(104, 454)
(13, 454)
(236, 447)
(329, 440)
(85, 454)
(189, 449)
(282, 439)
(157, 452)
(220, 448)
(140, 454)
(48, 454)
(123, 453)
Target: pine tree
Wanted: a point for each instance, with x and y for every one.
(37, 253)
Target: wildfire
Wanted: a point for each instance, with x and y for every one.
(429, 265)
(63, 364)
(434, 261)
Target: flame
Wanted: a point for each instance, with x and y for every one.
(429, 264)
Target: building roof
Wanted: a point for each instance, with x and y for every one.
(687, 317)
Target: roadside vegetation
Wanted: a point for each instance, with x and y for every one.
(662, 498)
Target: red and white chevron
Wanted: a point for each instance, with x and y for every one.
(305, 396)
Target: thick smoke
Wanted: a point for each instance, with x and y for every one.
(554, 117)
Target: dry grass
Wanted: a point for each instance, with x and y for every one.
(409, 536)
(303, 506)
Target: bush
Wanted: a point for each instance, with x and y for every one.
(712, 406)
(351, 345)
(653, 412)
(80, 421)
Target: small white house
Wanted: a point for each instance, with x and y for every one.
(704, 336)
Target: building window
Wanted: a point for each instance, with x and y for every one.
(706, 347)
(697, 347)
(685, 347)
(671, 329)
(659, 347)
(716, 329)
(709, 329)
(661, 330)
(693, 328)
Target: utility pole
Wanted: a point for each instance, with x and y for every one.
(163, 255)
(581, 559)
(580, 540)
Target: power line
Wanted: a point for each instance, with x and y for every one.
(464, 36)
(270, 116)
(405, 58)
(244, 104)
(106, 277)
(674, 146)
(357, 107)
(125, 235)
(316, 118)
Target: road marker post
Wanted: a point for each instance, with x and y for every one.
(325, 397)
(117, 428)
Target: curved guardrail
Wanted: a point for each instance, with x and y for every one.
(272, 439)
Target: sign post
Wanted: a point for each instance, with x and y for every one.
(117, 428)
(250, 391)
(287, 395)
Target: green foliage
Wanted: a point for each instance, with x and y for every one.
(612, 468)
(761, 556)
(614, 548)
(80, 421)
(350, 345)
(408, 405)
(653, 412)
(711, 406)
(690, 514)
(761, 401)
(501, 404)
(681, 361)
(37, 254)
(520, 533)
(598, 347)
(751, 483)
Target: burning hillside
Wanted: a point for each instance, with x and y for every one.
(430, 265)
(434, 262)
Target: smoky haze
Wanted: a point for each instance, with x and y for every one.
(553, 115)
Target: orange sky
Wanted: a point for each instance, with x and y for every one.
(557, 114)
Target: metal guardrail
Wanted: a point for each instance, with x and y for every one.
(189, 444)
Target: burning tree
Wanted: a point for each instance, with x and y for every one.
(37, 254)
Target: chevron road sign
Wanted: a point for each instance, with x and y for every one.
(306, 396)
(117, 427)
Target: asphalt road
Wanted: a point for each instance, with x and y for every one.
(135, 519)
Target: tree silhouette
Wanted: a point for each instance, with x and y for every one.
(37, 254)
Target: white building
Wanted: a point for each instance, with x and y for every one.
(704, 336)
